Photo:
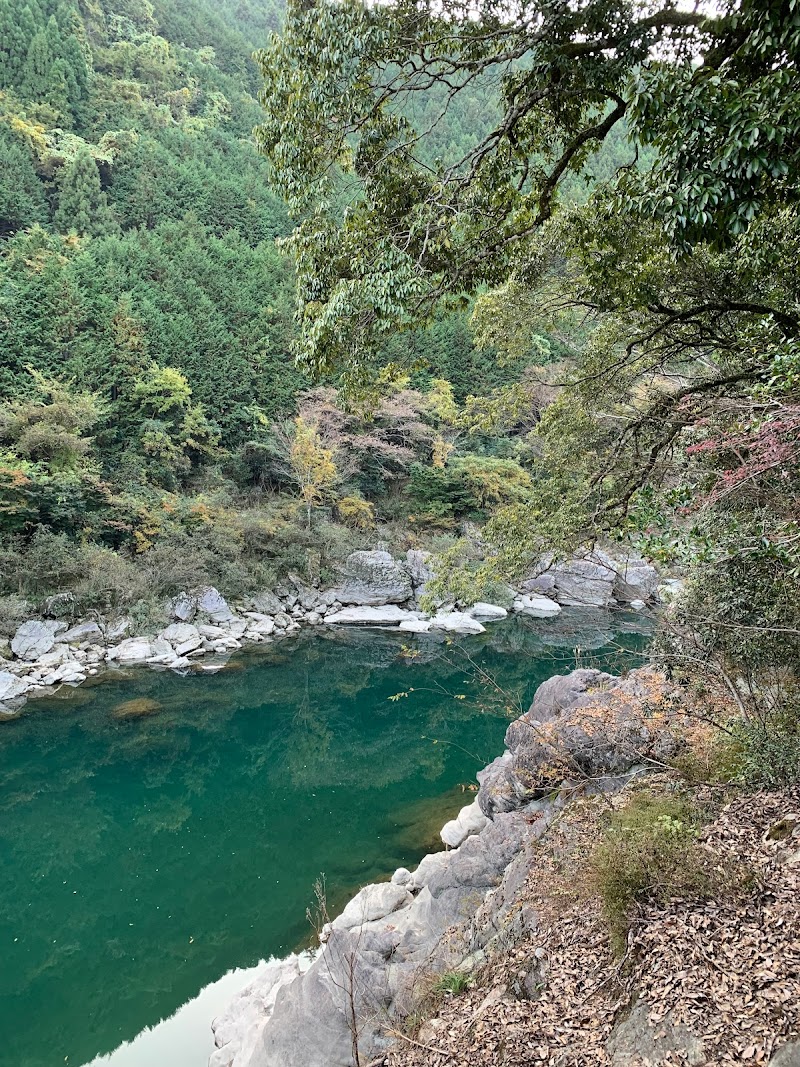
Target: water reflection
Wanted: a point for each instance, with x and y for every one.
(143, 856)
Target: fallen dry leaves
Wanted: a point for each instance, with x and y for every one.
(729, 971)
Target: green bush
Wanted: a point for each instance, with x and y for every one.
(452, 982)
(649, 852)
(766, 752)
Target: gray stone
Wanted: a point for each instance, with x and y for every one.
(266, 603)
(402, 876)
(456, 622)
(132, 650)
(387, 615)
(237, 1030)
(587, 582)
(179, 632)
(416, 626)
(83, 631)
(635, 580)
(117, 629)
(787, 1056)
(470, 820)
(418, 563)
(374, 578)
(558, 738)
(538, 607)
(35, 637)
(636, 1039)
(371, 903)
(487, 612)
(183, 607)
(12, 687)
(55, 657)
(212, 603)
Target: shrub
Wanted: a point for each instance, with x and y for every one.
(356, 512)
(452, 982)
(14, 610)
(650, 852)
(766, 752)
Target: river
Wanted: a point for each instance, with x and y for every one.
(158, 832)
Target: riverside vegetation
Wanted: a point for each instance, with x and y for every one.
(545, 299)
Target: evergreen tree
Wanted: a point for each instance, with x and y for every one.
(16, 31)
(42, 54)
(82, 205)
(22, 201)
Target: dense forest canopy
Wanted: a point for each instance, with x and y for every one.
(674, 283)
(149, 389)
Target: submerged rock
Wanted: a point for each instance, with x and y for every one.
(136, 709)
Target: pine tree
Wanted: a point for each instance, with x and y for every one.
(22, 201)
(83, 207)
(42, 54)
(16, 30)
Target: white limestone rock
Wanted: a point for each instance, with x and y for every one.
(385, 615)
(132, 650)
(457, 622)
(12, 687)
(83, 631)
(373, 579)
(416, 626)
(470, 820)
(487, 612)
(237, 1029)
(371, 903)
(179, 632)
(35, 637)
(538, 607)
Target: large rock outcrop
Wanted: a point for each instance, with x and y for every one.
(373, 579)
(372, 961)
(35, 637)
(595, 580)
(586, 725)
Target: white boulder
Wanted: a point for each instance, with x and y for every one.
(385, 615)
(416, 626)
(132, 650)
(83, 631)
(34, 638)
(179, 632)
(12, 687)
(538, 607)
(487, 612)
(470, 820)
(457, 622)
(371, 903)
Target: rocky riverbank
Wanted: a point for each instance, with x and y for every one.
(378, 957)
(201, 630)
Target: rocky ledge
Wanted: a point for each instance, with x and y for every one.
(55, 649)
(392, 937)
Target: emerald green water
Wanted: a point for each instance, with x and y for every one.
(141, 858)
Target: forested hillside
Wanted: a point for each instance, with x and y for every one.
(147, 378)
